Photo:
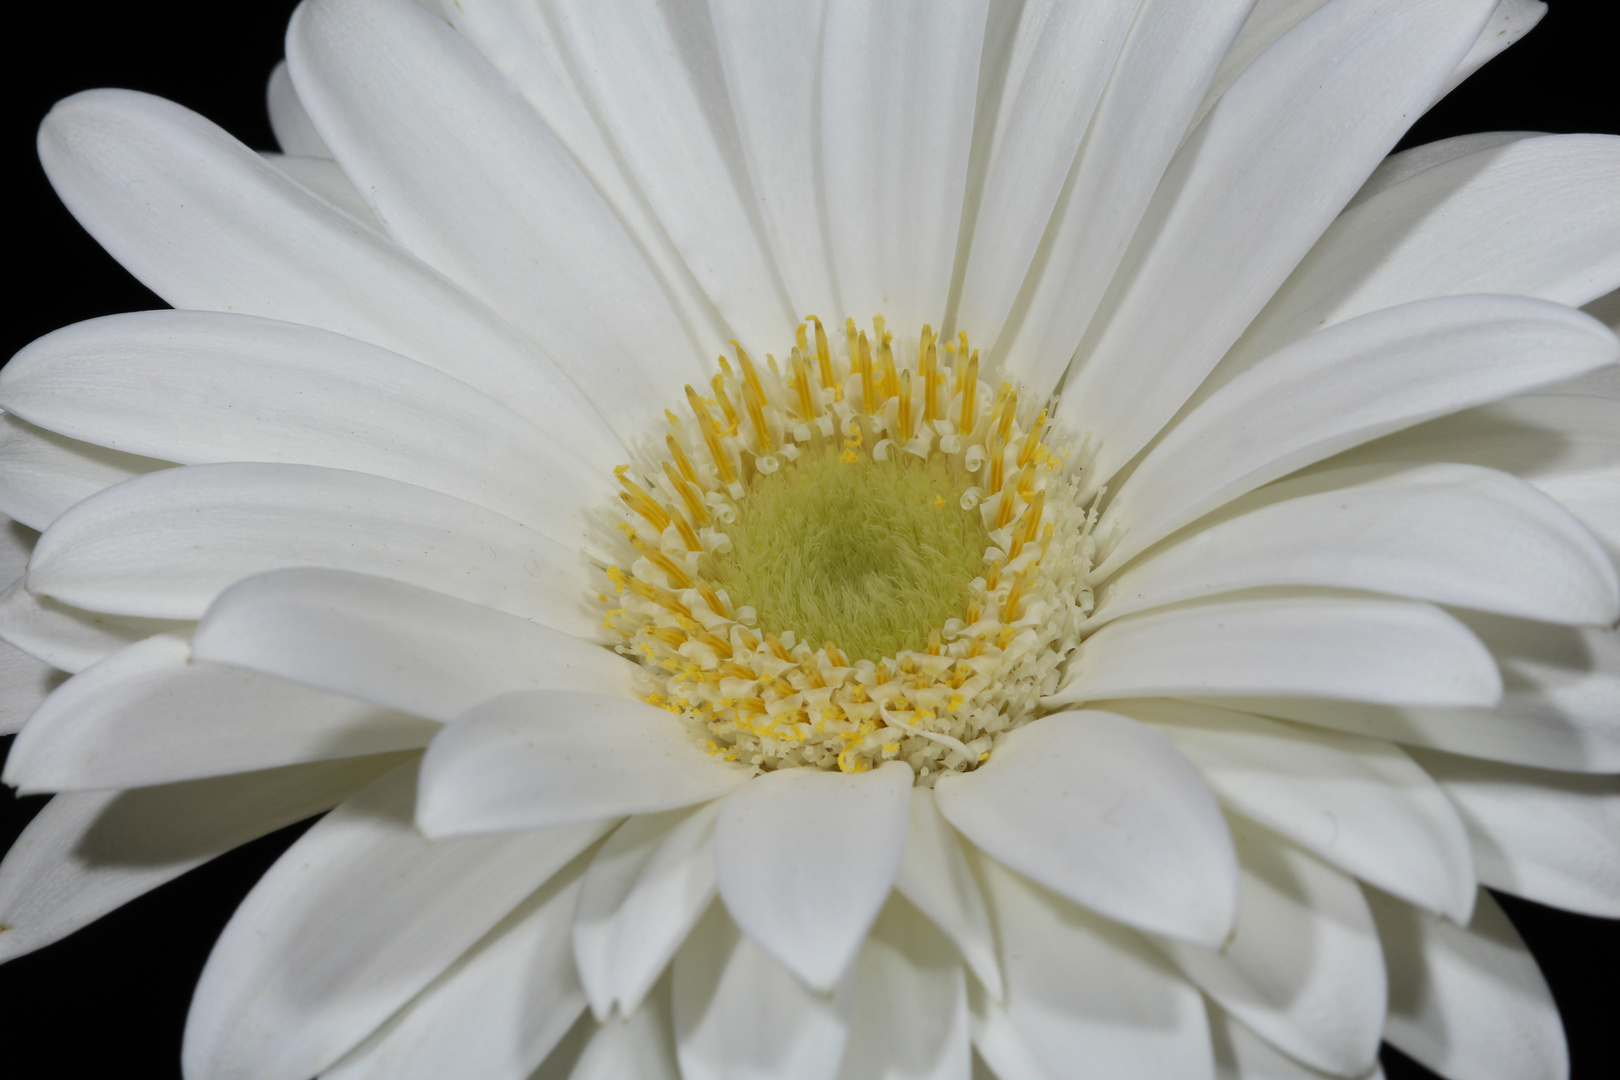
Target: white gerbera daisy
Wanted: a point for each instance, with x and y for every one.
(1139, 564)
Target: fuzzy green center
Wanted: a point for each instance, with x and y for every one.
(871, 555)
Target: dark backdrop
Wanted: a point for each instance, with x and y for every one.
(111, 1000)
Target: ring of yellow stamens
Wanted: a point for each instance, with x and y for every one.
(939, 696)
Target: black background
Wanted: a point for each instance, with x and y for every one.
(111, 1001)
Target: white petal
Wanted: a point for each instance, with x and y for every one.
(323, 177)
(739, 1015)
(295, 132)
(1047, 77)
(523, 43)
(1104, 812)
(16, 545)
(1242, 1055)
(167, 544)
(198, 387)
(1551, 837)
(1557, 708)
(805, 859)
(640, 1046)
(151, 715)
(1566, 445)
(771, 56)
(1467, 1002)
(1086, 998)
(24, 683)
(66, 637)
(1245, 198)
(1533, 217)
(910, 1010)
(643, 892)
(496, 1012)
(1267, 21)
(935, 876)
(1511, 20)
(464, 175)
(395, 644)
(1361, 804)
(1303, 966)
(898, 83)
(205, 223)
(1451, 534)
(1401, 167)
(352, 922)
(1344, 386)
(42, 474)
(540, 758)
(1166, 62)
(1386, 651)
(684, 154)
(88, 853)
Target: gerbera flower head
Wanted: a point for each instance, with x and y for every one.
(834, 539)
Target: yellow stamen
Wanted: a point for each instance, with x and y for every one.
(677, 576)
(678, 454)
(801, 382)
(905, 403)
(688, 493)
(868, 383)
(1032, 440)
(823, 356)
(718, 384)
(968, 389)
(754, 400)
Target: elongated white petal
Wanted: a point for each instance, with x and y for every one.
(496, 1012)
(1467, 1002)
(1303, 966)
(898, 86)
(168, 544)
(1551, 837)
(395, 644)
(1301, 129)
(199, 387)
(1267, 21)
(1051, 72)
(540, 758)
(42, 475)
(1086, 998)
(643, 892)
(1557, 708)
(1511, 20)
(1533, 217)
(1385, 651)
(805, 859)
(1242, 1055)
(151, 715)
(294, 131)
(1361, 804)
(1167, 60)
(1452, 534)
(322, 176)
(205, 223)
(1344, 386)
(523, 43)
(465, 176)
(641, 1045)
(1564, 442)
(24, 683)
(355, 919)
(772, 59)
(936, 877)
(738, 1013)
(16, 545)
(1103, 811)
(911, 1012)
(66, 637)
(684, 155)
(1398, 168)
(88, 853)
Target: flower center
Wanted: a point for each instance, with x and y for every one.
(869, 556)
